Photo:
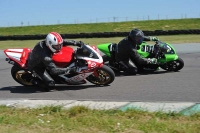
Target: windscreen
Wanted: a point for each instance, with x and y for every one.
(84, 51)
(165, 48)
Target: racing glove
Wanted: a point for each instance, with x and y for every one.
(79, 43)
(152, 61)
(154, 39)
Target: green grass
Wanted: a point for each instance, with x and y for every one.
(79, 119)
(173, 39)
(151, 25)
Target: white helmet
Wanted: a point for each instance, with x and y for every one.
(54, 42)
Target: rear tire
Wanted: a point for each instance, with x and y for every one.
(21, 75)
(105, 76)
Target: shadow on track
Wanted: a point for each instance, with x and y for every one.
(118, 74)
(27, 90)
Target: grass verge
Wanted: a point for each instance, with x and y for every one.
(79, 119)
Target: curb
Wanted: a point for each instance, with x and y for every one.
(185, 108)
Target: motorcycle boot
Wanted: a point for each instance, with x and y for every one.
(129, 67)
(132, 68)
(45, 82)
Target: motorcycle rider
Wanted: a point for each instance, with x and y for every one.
(126, 51)
(40, 59)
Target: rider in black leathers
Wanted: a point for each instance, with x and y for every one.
(126, 51)
(40, 59)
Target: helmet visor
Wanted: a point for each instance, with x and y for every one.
(139, 40)
(57, 47)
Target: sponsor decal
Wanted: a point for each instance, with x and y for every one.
(93, 64)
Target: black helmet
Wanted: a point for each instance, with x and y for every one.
(136, 36)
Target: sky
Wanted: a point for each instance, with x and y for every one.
(48, 12)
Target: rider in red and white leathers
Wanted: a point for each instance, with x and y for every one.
(40, 59)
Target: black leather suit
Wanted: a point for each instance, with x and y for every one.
(127, 55)
(40, 59)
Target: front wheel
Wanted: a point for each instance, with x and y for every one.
(21, 75)
(105, 76)
(175, 65)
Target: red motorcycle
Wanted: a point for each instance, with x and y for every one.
(86, 59)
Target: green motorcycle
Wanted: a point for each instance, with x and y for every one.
(164, 53)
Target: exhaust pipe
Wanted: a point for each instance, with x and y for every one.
(10, 61)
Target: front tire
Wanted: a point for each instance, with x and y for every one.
(21, 75)
(175, 65)
(105, 76)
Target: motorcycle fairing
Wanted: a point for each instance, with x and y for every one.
(83, 72)
(104, 48)
(96, 49)
(89, 59)
(18, 55)
(144, 50)
(75, 79)
(93, 62)
(170, 54)
(90, 55)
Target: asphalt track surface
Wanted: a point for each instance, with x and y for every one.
(183, 86)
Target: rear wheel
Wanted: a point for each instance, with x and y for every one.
(105, 76)
(175, 65)
(21, 75)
